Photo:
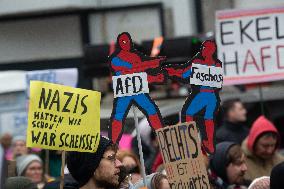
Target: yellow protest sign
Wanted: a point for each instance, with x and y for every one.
(63, 118)
(183, 160)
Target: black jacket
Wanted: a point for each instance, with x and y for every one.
(232, 132)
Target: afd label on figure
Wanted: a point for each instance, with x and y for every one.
(130, 84)
(204, 75)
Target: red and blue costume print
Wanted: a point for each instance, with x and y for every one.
(201, 97)
(127, 60)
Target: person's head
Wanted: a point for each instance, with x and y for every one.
(154, 181)
(266, 145)
(228, 162)
(6, 140)
(234, 111)
(236, 166)
(19, 146)
(160, 181)
(19, 183)
(100, 169)
(30, 166)
(276, 177)
(263, 138)
(260, 183)
(130, 161)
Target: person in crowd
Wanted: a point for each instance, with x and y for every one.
(154, 181)
(6, 141)
(132, 164)
(260, 183)
(227, 167)
(19, 146)
(96, 170)
(260, 148)
(233, 128)
(150, 147)
(276, 177)
(19, 183)
(30, 166)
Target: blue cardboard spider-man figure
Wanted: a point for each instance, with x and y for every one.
(126, 60)
(202, 97)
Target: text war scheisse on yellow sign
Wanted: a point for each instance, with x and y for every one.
(63, 118)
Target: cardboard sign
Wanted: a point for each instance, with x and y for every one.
(203, 75)
(182, 156)
(132, 71)
(251, 45)
(63, 118)
(14, 122)
(130, 84)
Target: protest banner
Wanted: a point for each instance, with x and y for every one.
(132, 71)
(251, 45)
(204, 73)
(63, 118)
(182, 156)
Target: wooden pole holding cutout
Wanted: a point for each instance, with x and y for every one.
(139, 146)
(62, 169)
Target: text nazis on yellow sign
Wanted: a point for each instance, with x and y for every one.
(63, 118)
(183, 160)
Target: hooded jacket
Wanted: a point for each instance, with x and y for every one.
(218, 167)
(258, 167)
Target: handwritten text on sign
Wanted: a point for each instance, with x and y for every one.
(130, 84)
(182, 156)
(210, 76)
(63, 118)
(251, 44)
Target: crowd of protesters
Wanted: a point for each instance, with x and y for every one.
(245, 157)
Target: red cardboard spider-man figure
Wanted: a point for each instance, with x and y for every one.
(126, 60)
(202, 97)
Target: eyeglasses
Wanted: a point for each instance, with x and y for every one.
(111, 158)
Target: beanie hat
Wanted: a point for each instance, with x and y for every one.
(82, 165)
(276, 177)
(22, 162)
(19, 183)
(260, 183)
(260, 125)
(219, 161)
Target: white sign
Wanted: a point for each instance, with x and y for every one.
(210, 76)
(14, 123)
(251, 45)
(130, 84)
(67, 76)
